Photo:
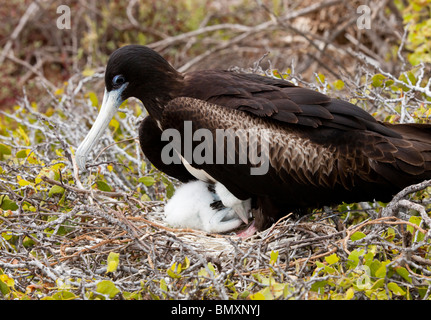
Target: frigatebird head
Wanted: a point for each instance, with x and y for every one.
(132, 71)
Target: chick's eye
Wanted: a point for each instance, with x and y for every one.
(118, 80)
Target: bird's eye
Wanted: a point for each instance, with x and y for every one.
(118, 80)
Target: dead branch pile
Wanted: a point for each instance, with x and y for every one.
(70, 250)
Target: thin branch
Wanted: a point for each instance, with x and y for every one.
(32, 9)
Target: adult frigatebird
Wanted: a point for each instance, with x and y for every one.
(318, 150)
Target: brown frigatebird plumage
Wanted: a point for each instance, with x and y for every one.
(320, 151)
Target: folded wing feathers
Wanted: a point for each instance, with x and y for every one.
(381, 145)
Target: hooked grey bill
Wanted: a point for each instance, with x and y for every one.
(242, 210)
(110, 104)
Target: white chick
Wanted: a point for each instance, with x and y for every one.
(194, 206)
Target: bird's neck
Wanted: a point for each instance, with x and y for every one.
(159, 95)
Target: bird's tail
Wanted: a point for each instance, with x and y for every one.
(413, 155)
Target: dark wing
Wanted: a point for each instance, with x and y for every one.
(278, 99)
(152, 146)
(412, 160)
(307, 167)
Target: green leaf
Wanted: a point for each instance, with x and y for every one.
(264, 294)
(378, 284)
(211, 268)
(147, 180)
(6, 235)
(357, 236)
(107, 287)
(174, 271)
(321, 78)
(374, 266)
(6, 283)
(113, 262)
(417, 221)
(350, 293)
(7, 204)
(4, 149)
(318, 285)
(390, 234)
(245, 294)
(333, 258)
(55, 190)
(257, 296)
(381, 295)
(377, 80)
(411, 77)
(93, 98)
(22, 182)
(338, 84)
(115, 124)
(22, 153)
(203, 272)
(61, 295)
(186, 263)
(389, 82)
(10, 282)
(163, 285)
(404, 273)
(170, 189)
(28, 242)
(4, 289)
(368, 258)
(381, 272)
(277, 289)
(103, 186)
(24, 135)
(396, 289)
(353, 258)
(88, 72)
(273, 257)
(288, 290)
